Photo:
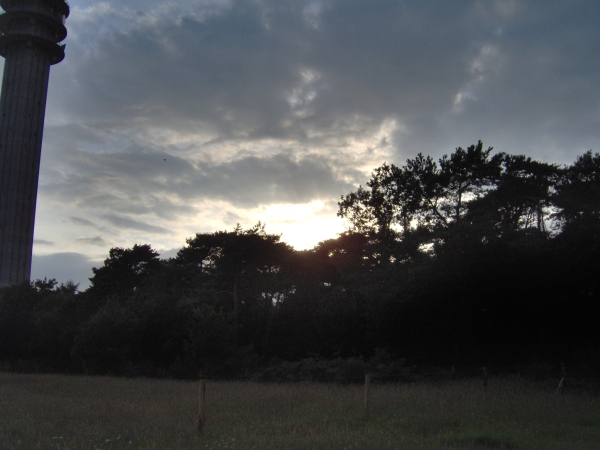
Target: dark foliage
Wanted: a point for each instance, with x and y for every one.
(474, 259)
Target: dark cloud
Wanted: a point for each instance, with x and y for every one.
(530, 87)
(286, 69)
(261, 69)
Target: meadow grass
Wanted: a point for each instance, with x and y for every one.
(67, 412)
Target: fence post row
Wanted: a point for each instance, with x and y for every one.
(367, 406)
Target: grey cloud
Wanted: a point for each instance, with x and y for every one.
(234, 72)
(64, 267)
(275, 80)
(128, 223)
(84, 222)
(185, 73)
(171, 253)
(64, 135)
(535, 93)
(118, 168)
(126, 203)
(124, 182)
(143, 184)
(43, 242)
(232, 218)
(97, 241)
(170, 211)
(252, 181)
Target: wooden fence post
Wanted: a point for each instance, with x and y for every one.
(485, 375)
(563, 380)
(367, 394)
(202, 412)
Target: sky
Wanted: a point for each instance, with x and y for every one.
(171, 118)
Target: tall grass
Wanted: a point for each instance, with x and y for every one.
(63, 412)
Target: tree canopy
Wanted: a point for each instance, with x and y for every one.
(475, 258)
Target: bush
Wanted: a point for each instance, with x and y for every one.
(351, 371)
(107, 342)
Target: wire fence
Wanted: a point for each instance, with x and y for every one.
(555, 379)
(415, 373)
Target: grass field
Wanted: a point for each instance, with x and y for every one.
(63, 412)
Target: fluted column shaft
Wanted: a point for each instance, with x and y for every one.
(22, 108)
(30, 35)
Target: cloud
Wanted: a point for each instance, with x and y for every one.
(128, 223)
(64, 267)
(97, 241)
(254, 70)
(171, 253)
(39, 242)
(168, 117)
(145, 184)
(261, 69)
(84, 222)
(280, 178)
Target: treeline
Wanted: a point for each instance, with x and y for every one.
(474, 259)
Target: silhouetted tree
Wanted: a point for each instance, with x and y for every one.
(248, 269)
(124, 271)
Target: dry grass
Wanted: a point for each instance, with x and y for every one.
(61, 412)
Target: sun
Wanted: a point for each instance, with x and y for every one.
(302, 225)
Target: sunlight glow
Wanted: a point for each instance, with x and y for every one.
(301, 225)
